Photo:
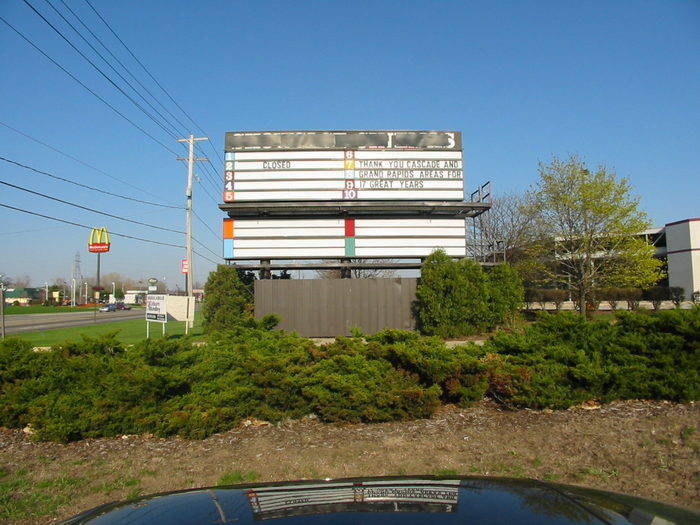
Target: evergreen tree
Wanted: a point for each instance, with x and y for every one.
(227, 299)
(452, 297)
(506, 294)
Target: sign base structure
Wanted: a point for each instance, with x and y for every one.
(348, 198)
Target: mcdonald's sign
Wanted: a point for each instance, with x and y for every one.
(99, 240)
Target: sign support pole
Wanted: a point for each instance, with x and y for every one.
(94, 314)
(148, 330)
(187, 325)
(188, 214)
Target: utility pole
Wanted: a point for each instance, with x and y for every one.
(188, 217)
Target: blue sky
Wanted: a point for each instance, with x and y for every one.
(616, 82)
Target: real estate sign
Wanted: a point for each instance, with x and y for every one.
(156, 309)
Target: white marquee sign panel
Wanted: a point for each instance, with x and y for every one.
(336, 238)
(425, 166)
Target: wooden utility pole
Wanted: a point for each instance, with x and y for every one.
(188, 217)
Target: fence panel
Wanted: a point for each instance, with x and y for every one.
(331, 307)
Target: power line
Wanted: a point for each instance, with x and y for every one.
(110, 106)
(207, 192)
(207, 173)
(76, 159)
(93, 210)
(144, 67)
(152, 77)
(136, 91)
(89, 209)
(107, 78)
(90, 227)
(205, 257)
(206, 225)
(124, 67)
(88, 187)
(207, 248)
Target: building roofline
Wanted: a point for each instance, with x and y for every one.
(682, 221)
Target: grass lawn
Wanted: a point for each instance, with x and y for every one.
(130, 331)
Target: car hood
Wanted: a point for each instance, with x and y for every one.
(390, 500)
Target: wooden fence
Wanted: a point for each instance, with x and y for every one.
(331, 307)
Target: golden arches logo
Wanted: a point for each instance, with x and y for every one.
(99, 240)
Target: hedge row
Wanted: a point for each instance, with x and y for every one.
(632, 296)
(97, 387)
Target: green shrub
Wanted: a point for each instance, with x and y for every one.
(562, 359)
(677, 294)
(611, 295)
(97, 387)
(506, 294)
(632, 296)
(458, 371)
(656, 295)
(452, 297)
(457, 298)
(227, 299)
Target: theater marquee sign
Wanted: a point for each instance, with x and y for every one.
(343, 166)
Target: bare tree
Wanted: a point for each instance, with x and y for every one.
(359, 273)
(21, 281)
(59, 282)
(509, 225)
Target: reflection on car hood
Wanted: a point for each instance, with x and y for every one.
(388, 501)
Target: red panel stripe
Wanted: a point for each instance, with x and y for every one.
(681, 222)
(349, 227)
(683, 251)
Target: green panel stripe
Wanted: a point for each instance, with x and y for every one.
(349, 246)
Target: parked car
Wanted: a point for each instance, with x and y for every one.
(411, 500)
(122, 306)
(108, 308)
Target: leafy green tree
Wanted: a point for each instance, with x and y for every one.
(589, 224)
(119, 295)
(227, 300)
(452, 297)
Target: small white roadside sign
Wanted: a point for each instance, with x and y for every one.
(156, 308)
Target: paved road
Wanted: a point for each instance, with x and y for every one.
(33, 322)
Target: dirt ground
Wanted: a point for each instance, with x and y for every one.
(650, 449)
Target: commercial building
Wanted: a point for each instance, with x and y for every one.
(22, 296)
(679, 243)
